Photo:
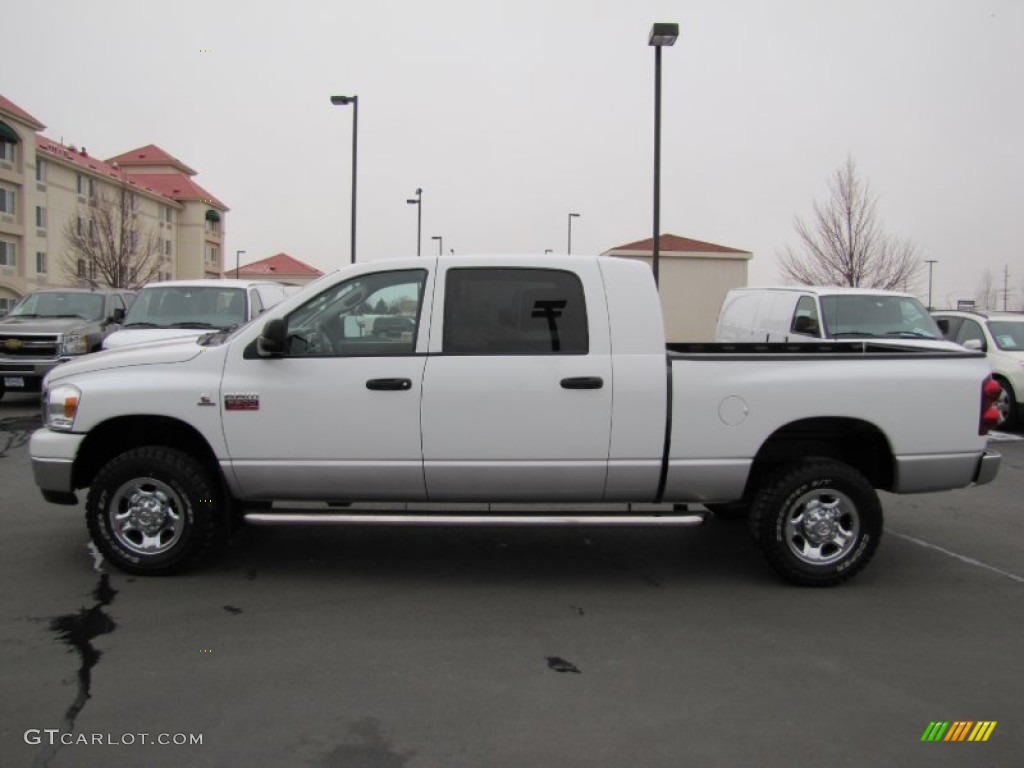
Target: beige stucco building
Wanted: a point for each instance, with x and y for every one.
(694, 277)
(45, 184)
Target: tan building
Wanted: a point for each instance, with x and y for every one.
(694, 277)
(280, 267)
(44, 185)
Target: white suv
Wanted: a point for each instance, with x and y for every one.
(1001, 336)
(183, 308)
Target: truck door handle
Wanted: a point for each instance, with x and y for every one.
(583, 382)
(389, 385)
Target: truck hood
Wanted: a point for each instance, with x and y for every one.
(157, 353)
(42, 324)
(127, 337)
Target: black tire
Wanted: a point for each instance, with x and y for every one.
(1006, 403)
(731, 511)
(844, 509)
(155, 511)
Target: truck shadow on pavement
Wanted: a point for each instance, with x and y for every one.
(714, 552)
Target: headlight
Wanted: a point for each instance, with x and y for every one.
(61, 406)
(75, 344)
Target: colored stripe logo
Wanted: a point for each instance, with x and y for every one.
(959, 730)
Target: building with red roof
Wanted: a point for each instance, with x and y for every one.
(693, 277)
(46, 185)
(280, 267)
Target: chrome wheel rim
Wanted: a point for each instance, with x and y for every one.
(822, 527)
(147, 516)
(1002, 405)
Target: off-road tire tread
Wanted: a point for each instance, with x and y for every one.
(209, 523)
(784, 484)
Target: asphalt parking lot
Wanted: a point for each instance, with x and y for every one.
(450, 647)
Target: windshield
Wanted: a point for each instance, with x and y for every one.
(88, 306)
(1008, 334)
(209, 307)
(871, 316)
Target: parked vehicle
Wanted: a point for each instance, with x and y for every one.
(394, 326)
(189, 308)
(53, 325)
(1000, 335)
(526, 379)
(798, 314)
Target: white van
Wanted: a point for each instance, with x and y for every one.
(176, 309)
(813, 313)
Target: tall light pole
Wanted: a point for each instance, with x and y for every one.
(238, 257)
(340, 101)
(418, 202)
(571, 217)
(661, 35)
(930, 263)
(440, 243)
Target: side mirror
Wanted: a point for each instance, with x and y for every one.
(975, 345)
(273, 340)
(118, 315)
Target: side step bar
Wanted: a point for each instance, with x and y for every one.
(369, 518)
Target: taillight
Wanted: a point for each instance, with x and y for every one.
(990, 391)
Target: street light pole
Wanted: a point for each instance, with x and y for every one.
(354, 101)
(661, 35)
(571, 217)
(930, 263)
(418, 202)
(238, 256)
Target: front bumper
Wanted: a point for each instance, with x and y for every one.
(53, 462)
(26, 375)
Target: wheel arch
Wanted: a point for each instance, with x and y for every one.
(858, 443)
(120, 434)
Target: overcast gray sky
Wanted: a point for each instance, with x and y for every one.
(511, 114)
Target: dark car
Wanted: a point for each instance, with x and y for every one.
(50, 326)
(393, 326)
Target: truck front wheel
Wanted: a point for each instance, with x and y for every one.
(154, 510)
(817, 522)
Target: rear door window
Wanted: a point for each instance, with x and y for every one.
(514, 312)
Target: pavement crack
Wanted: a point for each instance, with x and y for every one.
(77, 630)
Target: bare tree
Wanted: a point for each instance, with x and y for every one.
(108, 244)
(986, 295)
(845, 243)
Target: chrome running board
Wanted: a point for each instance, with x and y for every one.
(369, 518)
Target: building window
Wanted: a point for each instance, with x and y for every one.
(8, 254)
(167, 247)
(7, 197)
(81, 267)
(92, 231)
(40, 170)
(166, 214)
(92, 270)
(85, 186)
(6, 151)
(40, 217)
(212, 253)
(40, 262)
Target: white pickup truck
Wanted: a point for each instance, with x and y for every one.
(523, 379)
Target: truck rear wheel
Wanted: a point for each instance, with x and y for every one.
(817, 522)
(154, 510)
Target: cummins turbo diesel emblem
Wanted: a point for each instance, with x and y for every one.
(243, 402)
